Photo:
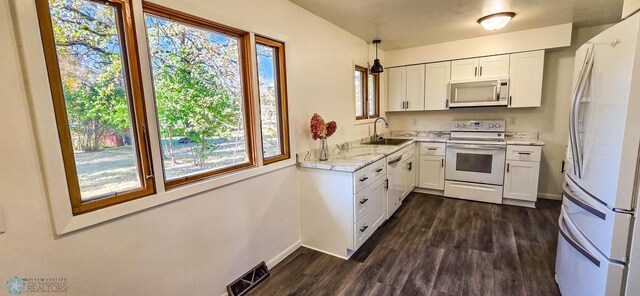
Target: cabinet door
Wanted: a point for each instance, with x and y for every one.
(437, 86)
(409, 176)
(521, 180)
(464, 69)
(376, 205)
(525, 79)
(396, 88)
(493, 67)
(415, 88)
(431, 172)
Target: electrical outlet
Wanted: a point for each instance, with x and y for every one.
(513, 121)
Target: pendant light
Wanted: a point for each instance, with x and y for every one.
(377, 67)
(496, 21)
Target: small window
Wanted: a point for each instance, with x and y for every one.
(373, 89)
(273, 99)
(200, 76)
(367, 91)
(97, 97)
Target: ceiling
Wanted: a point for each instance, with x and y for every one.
(409, 23)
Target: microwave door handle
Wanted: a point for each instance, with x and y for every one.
(498, 88)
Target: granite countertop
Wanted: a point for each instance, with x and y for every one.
(348, 157)
(352, 156)
(523, 139)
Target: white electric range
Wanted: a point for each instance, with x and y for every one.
(475, 161)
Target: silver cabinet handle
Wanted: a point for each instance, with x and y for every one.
(363, 228)
(442, 163)
(379, 170)
(568, 193)
(574, 243)
(364, 179)
(480, 70)
(432, 149)
(395, 160)
(524, 153)
(508, 167)
(363, 201)
(475, 72)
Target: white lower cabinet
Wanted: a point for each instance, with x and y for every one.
(431, 172)
(340, 210)
(431, 163)
(522, 173)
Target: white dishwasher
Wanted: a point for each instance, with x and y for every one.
(398, 164)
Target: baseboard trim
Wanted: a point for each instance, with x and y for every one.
(284, 254)
(428, 191)
(328, 253)
(519, 203)
(552, 196)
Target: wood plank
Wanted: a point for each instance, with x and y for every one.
(435, 246)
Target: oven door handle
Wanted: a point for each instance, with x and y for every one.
(477, 147)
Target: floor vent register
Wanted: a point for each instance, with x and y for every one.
(249, 280)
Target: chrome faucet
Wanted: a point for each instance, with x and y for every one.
(375, 128)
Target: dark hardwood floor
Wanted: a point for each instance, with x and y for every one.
(436, 246)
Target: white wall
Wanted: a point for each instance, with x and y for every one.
(550, 120)
(502, 43)
(196, 245)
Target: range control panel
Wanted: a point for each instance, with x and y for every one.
(478, 126)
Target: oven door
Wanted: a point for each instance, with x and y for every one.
(477, 163)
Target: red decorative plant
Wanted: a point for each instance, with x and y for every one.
(320, 129)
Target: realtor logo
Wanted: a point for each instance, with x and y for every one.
(15, 285)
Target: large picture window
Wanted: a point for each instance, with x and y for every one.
(95, 84)
(203, 104)
(273, 99)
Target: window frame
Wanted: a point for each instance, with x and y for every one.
(283, 110)
(376, 90)
(363, 90)
(247, 86)
(135, 95)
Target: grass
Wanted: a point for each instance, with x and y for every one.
(115, 169)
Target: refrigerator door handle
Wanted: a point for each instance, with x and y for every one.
(568, 193)
(576, 245)
(585, 72)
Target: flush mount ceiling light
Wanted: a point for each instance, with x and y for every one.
(377, 67)
(496, 21)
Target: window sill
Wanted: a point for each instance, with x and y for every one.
(65, 223)
(364, 121)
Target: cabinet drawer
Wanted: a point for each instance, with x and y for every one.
(369, 174)
(433, 148)
(524, 153)
(361, 231)
(362, 201)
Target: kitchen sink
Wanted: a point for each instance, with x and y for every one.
(388, 142)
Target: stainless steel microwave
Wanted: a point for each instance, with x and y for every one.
(494, 92)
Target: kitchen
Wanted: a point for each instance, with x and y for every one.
(418, 148)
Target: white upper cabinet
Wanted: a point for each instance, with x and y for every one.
(437, 86)
(493, 67)
(396, 88)
(525, 79)
(480, 68)
(415, 88)
(406, 88)
(464, 69)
